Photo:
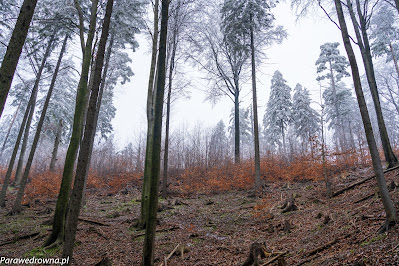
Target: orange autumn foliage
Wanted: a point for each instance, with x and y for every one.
(241, 176)
(203, 180)
(45, 185)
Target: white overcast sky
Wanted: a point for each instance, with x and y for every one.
(295, 58)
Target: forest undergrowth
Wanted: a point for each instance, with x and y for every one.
(213, 218)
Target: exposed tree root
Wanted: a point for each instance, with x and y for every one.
(386, 226)
(52, 244)
(19, 238)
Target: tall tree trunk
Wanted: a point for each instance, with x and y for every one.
(236, 124)
(255, 115)
(100, 97)
(166, 150)
(14, 49)
(18, 200)
(363, 43)
(171, 71)
(57, 233)
(150, 122)
(56, 145)
(14, 154)
(382, 186)
(283, 135)
(9, 130)
(154, 146)
(88, 139)
(338, 122)
(18, 174)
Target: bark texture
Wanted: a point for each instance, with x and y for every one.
(57, 233)
(155, 142)
(14, 49)
(255, 115)
(87, 143)
(150, 122)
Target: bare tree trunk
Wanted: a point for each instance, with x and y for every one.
(150, 121)
(166, 151)
(386, 200)
(323, 151)
(14, 49)
(57, 234)
(9, 130)
(100, 97)
(364, 46)
(154, 146)
(255, 115)
(18, 174)
(56, 145)
(236, 124)
(87, 143)
(173, 45)
(18, 200)
(338, 122)
(14, 154)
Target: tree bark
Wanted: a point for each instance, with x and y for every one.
(56, 145)
(382, 186)
(14, 49)
(171, 71)
(100, 96)
(150, 121)
(57, 233)
(363, 43)
(87, 143)
(236, 124)
(18, 200)
(154, 146)
(255, 115)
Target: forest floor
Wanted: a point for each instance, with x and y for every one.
(219, 229)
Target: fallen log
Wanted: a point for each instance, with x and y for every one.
(339, 192)
(19, 238)
(366, 198)
(173, 228)
(321, 248)
(90, 221)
